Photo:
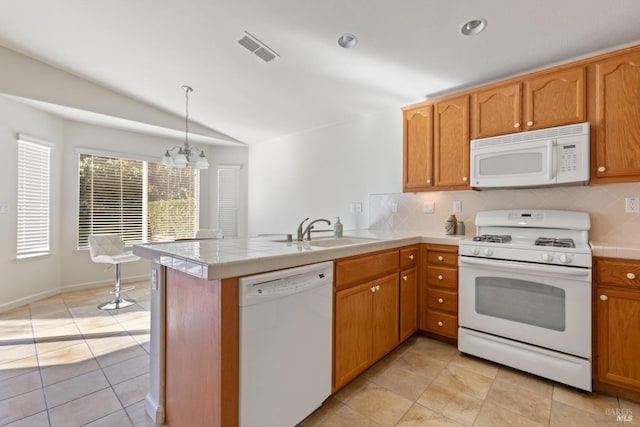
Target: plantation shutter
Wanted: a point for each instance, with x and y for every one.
(228, 199)
(174, 202)
(111, 199)
(34, 158)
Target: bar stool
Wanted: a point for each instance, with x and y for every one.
(109, 249)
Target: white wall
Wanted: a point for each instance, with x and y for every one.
(67, 268)
(319, 173)
(35, 276)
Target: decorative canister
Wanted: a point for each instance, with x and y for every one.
(450, 225)
(460, 230)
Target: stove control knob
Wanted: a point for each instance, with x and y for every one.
(487, 251)
(565, 259)
(547, 257)
(475, 251)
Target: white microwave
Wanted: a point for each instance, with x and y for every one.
(553, 156)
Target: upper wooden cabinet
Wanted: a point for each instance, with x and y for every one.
(547, 100)
(451, 143)
(418, 149)
(617, 119)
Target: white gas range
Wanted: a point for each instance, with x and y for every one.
(525, 293)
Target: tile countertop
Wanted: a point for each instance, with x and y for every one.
(223, 258)
(615, 250)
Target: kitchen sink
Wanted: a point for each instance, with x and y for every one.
(330, 242)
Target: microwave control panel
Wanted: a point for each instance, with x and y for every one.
(568, 158)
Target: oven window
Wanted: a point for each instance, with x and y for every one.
(521, 301)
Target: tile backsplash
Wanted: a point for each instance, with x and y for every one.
(604, 203)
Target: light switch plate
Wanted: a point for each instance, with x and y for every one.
(457, 206)
(4, 208)
(631, 205)
(394, 207)
(428, 207)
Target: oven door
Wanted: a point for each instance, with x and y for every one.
(544, 305)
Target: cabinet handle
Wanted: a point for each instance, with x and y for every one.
(604, 297)
(377, 288)
(516, 125)
(631, 276)
(464, 178)
(530, 123)
(428, 181)
(440, 258)
(411, 257)
(440, 323)
(404, 278)
(602, 169)
(440, 277)
(440, 300)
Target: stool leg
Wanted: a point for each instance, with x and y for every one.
(117, 302)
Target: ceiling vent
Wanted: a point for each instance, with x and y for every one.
(260, 49)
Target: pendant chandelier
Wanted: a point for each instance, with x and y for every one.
(186, 154)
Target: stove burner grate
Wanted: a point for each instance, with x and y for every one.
(558, 243)
(493, 238)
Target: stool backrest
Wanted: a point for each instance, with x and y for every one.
(209, 233)
(105, 244)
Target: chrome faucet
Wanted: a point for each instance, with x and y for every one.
(307, 231)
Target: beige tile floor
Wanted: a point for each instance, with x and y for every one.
(65, 363)
(428, 383)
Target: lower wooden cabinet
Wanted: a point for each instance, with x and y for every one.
(618, 322)
(366, 319)
(439, 290)
(408, 302)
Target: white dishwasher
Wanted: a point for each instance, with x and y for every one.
(285, 344)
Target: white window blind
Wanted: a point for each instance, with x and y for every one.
(34, 160)
(140, 201)
(228, 199)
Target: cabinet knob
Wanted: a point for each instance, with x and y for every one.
(631, 276)
(372, 289)
(440, 277)
(440, 258)
(440, 300)
(404, 278)
(530, 123)
(604, 297)
(411, 257)
(516, 125)
(464, 178)
(377, 288)
(428, 181)
(440, 323)
(602, 169)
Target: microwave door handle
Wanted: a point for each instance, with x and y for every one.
(551, 165)
(508, 265)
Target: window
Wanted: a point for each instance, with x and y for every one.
(34, 158)
(228, 199)
(141, 201)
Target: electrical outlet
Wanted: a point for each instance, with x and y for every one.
(457, 206)
(394, 207)
(4, 208)
(631, 205)
(358, 207)
(428, 207)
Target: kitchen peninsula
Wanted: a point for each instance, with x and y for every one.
(194, 313)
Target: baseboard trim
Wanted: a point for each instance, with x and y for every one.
(10, 305)
(155, 411)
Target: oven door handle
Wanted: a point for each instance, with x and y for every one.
(508, 265)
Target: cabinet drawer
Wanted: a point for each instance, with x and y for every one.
(351, 271)
(442, 277)
(442, 300)
(408, 257)
(442, 258)
(443, 324)
(617, 272)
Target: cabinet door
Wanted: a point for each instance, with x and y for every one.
(408, 303)
(496, 111)
(451, 143)
(556, 99)
(617, 122)
(418, 149)
(618, 338)
(353, 311)
(384, 324)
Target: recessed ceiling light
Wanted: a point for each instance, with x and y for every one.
(347, 41)
(473, 27)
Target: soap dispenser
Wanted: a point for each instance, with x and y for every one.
(337, 228)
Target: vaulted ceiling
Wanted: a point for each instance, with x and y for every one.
(408, 49)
